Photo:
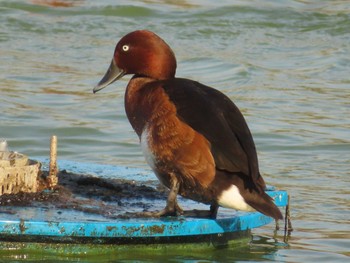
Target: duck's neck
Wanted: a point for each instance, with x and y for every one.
(138, 102)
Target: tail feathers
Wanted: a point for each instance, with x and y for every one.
(243, 194)
(265, 205)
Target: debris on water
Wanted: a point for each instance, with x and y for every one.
(3, 145)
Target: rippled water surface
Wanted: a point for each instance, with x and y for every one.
(286, 64)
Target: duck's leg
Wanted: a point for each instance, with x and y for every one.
(172, 208)
(212, 213)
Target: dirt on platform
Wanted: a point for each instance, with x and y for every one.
(111, 198)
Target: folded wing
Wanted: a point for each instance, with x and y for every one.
(213, 114)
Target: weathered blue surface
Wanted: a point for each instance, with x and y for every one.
(101, 170)
(131, 229)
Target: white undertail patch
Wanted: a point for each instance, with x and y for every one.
(231, 198)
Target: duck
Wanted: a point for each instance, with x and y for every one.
(193, 136)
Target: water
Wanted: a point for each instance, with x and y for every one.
(285, 64)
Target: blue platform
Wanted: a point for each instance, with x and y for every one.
(29, 225)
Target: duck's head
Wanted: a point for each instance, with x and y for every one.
(141, 53)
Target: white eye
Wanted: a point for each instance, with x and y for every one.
(125, 48)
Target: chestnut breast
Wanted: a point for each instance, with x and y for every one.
(173, 145)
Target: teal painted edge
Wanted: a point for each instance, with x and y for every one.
(137, 228)
(124, 229)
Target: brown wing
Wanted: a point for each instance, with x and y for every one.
(214, 115)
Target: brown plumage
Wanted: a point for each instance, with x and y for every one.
(193, 136)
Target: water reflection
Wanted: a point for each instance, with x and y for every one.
(58, 3)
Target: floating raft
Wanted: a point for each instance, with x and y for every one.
(100, 222)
